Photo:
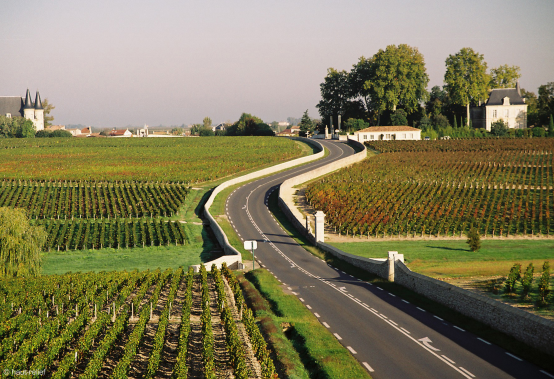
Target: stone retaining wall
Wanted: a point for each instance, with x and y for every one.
(524, 326)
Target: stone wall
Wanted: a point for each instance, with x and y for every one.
(524, 326)
(379, 267)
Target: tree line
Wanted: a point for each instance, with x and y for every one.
(390, 88)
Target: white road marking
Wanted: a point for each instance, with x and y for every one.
(392, 322)
(326, 325)
(448, 359)
(368, 367)
(294, 293)
(423, 310)
(482, 340)
(438, 317)
(547, 374)
(405, 330)
(513, 356)
(302, 300)
(379, 288)
(467, 372)
(407, 302)
(392, 294)
(351, 350)
(337, 335)
(457, 327)
(307, 306)
(317, 315)
(289, 288)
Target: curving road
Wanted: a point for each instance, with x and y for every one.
(390, 337)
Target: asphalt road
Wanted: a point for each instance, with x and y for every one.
(390, 337)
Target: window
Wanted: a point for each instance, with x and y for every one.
(387, 136)
(365, 136)
(506, 113)
(371, 136)
(494, 115)
(404, 136)
(411, 135)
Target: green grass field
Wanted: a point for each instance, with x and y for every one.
(453, 259)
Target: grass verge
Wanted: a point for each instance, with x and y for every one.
(539, 358)
(304, 348)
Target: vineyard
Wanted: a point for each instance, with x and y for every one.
(183, 160)
(148, 324)
(504, 187)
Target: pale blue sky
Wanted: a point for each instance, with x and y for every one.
(111, 63)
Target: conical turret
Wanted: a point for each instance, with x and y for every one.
(38, 103)
(28, 101)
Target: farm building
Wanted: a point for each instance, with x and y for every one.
(13, 106)
(387, 133)
(503, 104)
(120, 133)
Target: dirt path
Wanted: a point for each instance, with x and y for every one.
(194, 348)
(222, 364)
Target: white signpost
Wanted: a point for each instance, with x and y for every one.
(251, 245)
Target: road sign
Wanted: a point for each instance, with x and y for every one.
(250, 245)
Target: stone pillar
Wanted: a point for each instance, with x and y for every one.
(326, 132)
(339, 123)
(393, 257)
(320, 226)
(308, 223)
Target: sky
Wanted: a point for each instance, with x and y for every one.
(113, 63)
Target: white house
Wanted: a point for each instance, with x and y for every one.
(120, 133)
(503, 104)
(387, 133)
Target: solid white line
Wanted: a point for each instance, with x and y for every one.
(467, 372)
(368, 367)
(423, 310)
(392, 322)
(547, 374)
(326, 325)
(438, 317)
(457, 327)
(307, 306)
(513, 356)
(317, 315)
(407, 302)
(351, 350)
(448, 359)
(337, 335)
(482, 340)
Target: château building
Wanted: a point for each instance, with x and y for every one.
(12, 106)
(503, 104)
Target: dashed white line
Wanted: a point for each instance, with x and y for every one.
(302, 300)
(289, 288)
(448, 359)
(457, 327)
(407, 302)
(368, 367)
(351, 350)
(326, 325)
(467, 372)
(317, 315)
(307, 306)
(379, 288)
(392, 322)
(405, 330)
(547, 374)
(513, 356)
(423, 310)
(482, 340)
(337, 335)
(294, 293)
(438, 317)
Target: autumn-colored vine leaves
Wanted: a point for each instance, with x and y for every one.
(502, 187)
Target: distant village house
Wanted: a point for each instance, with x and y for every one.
(387, 133)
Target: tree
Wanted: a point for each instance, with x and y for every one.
(544, 283)
(499, 128)
(20, 244)
(207, 122)
(249, 125)
(466, 78)
(473, 239)
(206, 132)
(551, 127)
(545, 102)
(26, 130)
(335, 92)
(513, 277)
(47, 109)
(399, 117)
(306, 124)
(527, 280)
(355, 124)
(504, 76)
(532, 107)
(398, 78)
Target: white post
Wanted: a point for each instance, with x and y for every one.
(320, 226)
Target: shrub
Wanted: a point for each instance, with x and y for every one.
(513, 277)
(473, 239)
(527, 280)
(544, 284)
